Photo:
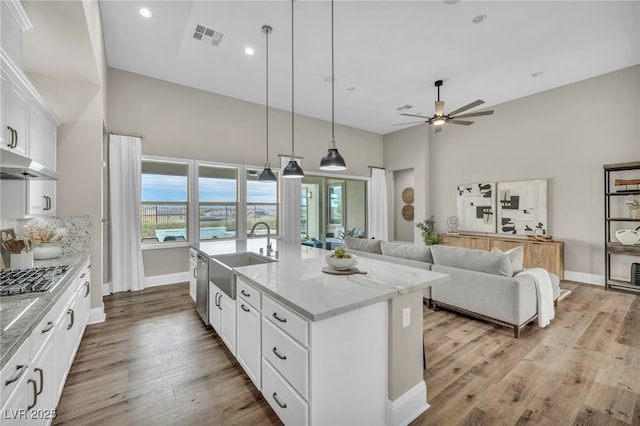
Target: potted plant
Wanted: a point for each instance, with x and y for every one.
(429, 234)
(633, 203)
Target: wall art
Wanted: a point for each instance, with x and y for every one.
(522, 207)
(476, 207)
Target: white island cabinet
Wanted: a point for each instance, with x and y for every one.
(334, 349)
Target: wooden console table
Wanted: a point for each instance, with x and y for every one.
(537, 254)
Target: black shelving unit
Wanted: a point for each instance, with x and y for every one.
(612, 247)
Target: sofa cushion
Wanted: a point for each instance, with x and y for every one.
(474, 260)
(516, 255)
(406, 251)
(371, 246)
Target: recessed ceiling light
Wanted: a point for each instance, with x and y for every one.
(479, 18)
(248, 51)
(537, 74)
(351, 88)
(145, 12)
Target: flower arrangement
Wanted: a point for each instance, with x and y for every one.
(40, 232)
(429, 234)
(633, 203)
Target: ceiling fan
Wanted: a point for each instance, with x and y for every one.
(439, 118)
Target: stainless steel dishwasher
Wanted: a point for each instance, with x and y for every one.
(202, 288)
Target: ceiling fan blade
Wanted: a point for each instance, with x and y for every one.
(439, 107)
(406, 124)
(438, 129)
(414, 115)
(466, 107)
(463, 122)
(474, 114)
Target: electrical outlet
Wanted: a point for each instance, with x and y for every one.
(406, 317)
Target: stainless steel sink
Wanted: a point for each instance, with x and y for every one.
(221, 268)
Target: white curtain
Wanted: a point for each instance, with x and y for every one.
(291, 205)
(125, 163)
(379, 227)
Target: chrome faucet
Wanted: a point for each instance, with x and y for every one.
(253, 228)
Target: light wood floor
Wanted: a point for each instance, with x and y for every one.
(154, 362)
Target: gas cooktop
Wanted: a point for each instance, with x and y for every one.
(31, 280)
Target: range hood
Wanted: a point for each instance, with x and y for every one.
(17, 166)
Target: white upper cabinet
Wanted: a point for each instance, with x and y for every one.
(14, 22)
(16, 110)
(42, 138)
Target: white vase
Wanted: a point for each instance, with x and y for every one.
(47, 251)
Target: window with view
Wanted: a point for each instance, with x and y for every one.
(218, 198)
(165, 201)
(262, 204)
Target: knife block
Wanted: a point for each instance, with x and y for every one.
(21, 260)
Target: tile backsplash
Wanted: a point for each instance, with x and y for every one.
(78, 229)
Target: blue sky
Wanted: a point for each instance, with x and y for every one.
(174, 188)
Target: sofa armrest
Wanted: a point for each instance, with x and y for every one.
(509, 299)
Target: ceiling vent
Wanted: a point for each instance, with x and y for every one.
(207, 34)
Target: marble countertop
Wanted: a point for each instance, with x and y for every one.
(297, 281)
(20, 314)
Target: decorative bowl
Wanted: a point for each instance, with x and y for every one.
(628, 236)
(343, 263)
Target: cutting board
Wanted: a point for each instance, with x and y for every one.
(350, 271)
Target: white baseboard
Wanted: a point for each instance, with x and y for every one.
(584, 277)
(157, 280)
(97, 315)
(409, 406)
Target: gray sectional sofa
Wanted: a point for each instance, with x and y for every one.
(482, 283)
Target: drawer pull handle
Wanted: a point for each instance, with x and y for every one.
(86, 284)
(20, 371)
(195, 273)
(275, 351)
(244, 293)
(83, 275)
(35, 394)
(41, 374)
(70, 312)
(275, 396)
(275, 315)
(245, 309)
(48, 327)
(219, 302)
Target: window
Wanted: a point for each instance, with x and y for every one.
(262, 204)
(218, 199)
(165, 201)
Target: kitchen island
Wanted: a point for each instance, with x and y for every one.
(331, 349)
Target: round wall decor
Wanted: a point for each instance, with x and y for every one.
(407, 212)
(407, 195)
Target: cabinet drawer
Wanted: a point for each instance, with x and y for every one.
(249, 294)
(288, 321)
(13, 371)
(288, 357)
(288, 405)
(41, 333)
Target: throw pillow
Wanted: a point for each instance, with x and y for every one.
(516, 255)
(361, 244)
(406, 251)
(473, 260)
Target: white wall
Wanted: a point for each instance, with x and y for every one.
(178, 121)
(402, 228)
(564, 135)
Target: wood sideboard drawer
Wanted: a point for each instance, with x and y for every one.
(287, 356)
(249, 294)
(285, 401)
(285, 319)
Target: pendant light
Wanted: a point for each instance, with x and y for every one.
(293, 170)
(332, 161)
(267, 174)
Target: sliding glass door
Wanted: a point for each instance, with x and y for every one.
(332, 209)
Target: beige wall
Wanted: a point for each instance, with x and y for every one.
(177, 121)
(402, 228)
(564, 135)
(409, 149)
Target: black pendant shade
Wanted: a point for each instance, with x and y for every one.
(333, 160)
(267, 174)
(293, 170)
